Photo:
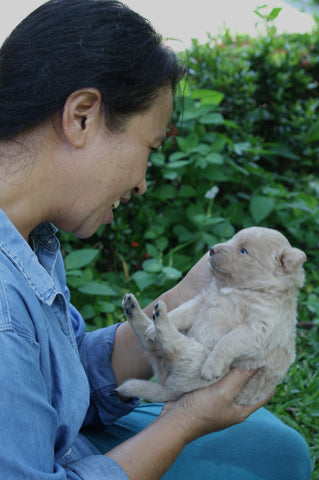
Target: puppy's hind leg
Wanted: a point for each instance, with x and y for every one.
(176, 347)
(154, 392)
(142, 326)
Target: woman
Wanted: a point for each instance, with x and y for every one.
(86, 92)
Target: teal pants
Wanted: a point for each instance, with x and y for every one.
(261, 448)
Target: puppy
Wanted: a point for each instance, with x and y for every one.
(245, 318)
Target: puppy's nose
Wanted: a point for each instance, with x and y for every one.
(212, 251)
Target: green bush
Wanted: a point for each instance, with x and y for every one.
(242, 150)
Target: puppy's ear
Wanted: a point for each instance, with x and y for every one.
(292, 258)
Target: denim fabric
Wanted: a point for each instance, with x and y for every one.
(261, 448)
(54, 376)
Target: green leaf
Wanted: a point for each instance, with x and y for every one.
(215, 158)
(212, 119)
(96, 288)
(158, 159)
(202, 149)
(260, 207)
(155, 231)
(201, 162)
(186, 191)
(172, 273)
(283, 151)
(152, 266)
(177, 156)
(208, 97)
(74, 273)
(88, 312)
(180, 164)
(166, 192)
(183, 234)
(274, 13)
(186, 144)
(210, 240)
(80, 258)
(224, 229)
(313, 133)
(106, 307)
(161, 243)
(144, 279)
(203, 220)
(152, 250)
(241, 147)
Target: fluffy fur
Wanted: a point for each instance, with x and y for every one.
(245, 318)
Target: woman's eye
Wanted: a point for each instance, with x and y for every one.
(244, 251)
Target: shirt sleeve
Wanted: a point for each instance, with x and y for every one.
(95, 467)
(31, 421)
(95, 353)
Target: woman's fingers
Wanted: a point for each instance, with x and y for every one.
(214, 408)
(235, 380)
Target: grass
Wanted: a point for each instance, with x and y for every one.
(296, 401)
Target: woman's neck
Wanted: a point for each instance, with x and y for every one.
(21, 183)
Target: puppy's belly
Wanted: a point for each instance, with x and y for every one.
(207, 334)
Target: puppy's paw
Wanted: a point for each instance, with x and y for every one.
(209, 376)
(129, 304)
(159, 310)
(212, 372)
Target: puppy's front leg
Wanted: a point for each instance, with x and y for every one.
(243, 343)
(142, 326)
(184, 315)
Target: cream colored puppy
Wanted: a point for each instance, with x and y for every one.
(246, 318)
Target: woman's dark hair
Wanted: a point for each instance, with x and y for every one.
(66, 45)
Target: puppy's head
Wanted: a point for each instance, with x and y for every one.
(257, 258)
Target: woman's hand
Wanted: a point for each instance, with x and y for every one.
(212, 408)
(193, 415)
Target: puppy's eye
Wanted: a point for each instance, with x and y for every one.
(244, 251)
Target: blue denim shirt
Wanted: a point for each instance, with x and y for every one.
(54, 376)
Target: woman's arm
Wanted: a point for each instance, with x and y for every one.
(149, 454)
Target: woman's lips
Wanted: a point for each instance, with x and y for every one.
(125, 199)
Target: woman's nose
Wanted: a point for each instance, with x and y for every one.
(141, 188)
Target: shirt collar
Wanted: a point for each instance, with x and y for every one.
(35, 264)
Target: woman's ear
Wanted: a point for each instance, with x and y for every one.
(81, 115)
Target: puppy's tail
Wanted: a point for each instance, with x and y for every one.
(154, 392)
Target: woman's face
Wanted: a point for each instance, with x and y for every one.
(112, 167)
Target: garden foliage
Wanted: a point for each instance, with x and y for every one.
(242, 149)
